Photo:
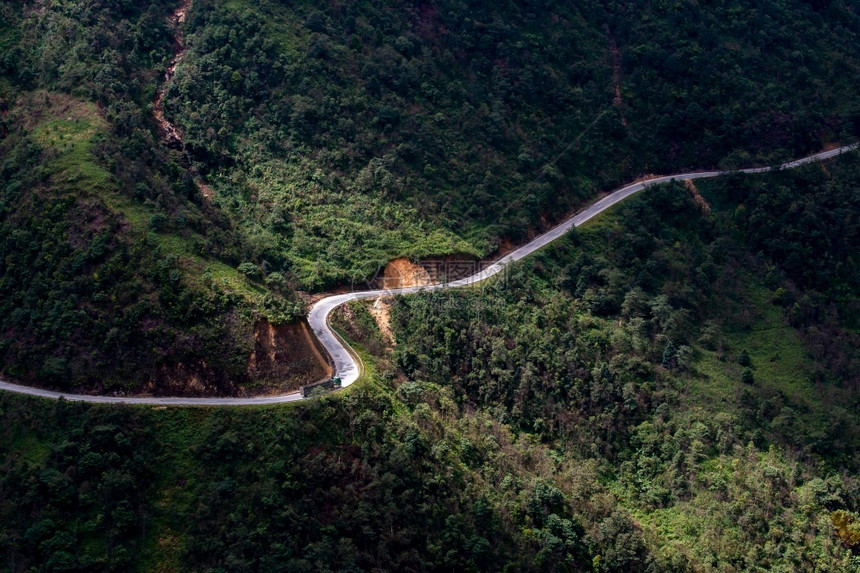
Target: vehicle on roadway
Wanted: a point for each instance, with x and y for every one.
(332, 383)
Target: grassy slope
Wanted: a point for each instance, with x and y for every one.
(65, 131)
(706, 528)
(783, 368)
(66, 135)
(782, 363)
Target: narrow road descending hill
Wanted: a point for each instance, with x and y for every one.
(345, 365)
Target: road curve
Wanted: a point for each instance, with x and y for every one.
(345, 365)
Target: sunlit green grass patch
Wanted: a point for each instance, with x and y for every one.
(69, 139)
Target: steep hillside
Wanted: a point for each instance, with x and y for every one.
(700, 348)
(343, 135)
(322, 140)
(673, 387)
(116, 274)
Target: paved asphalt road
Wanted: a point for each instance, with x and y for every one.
(345, 365)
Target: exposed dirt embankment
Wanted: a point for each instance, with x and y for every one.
(193, 379)
(380, 310)
(700, 201)
(205, 190)
(283, 359)
(401, 273)
(286, 357)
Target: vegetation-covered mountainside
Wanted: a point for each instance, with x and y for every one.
(322, 140)
(115, 273)
(650, 394)
(363, 131)
(672, 387)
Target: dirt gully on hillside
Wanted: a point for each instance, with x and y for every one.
(168, 132)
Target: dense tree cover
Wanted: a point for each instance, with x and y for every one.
(338, 136)
(89, 300)
(102, 312)
(618, 346)
(343, 129)
(346, 484)
(74, 495)
(114, 271)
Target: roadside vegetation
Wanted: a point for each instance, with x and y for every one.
(588, 411)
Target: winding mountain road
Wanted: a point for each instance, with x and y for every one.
(344, 363)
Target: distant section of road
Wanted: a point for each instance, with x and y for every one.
(344, 364)
(150, 401)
